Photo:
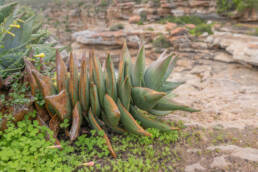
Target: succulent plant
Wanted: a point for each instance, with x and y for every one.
(20, 34)
(99, 98)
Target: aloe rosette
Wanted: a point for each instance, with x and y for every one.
(101, 97)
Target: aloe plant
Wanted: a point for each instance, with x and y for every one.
(20, 35)
(99, 98)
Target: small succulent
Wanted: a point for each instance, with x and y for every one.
(104, 98)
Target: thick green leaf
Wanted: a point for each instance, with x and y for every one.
(111, 88)
(84, 87)
(138, 69)
(146, 98)
(147, 121)
(96, 126)
(171, 66)
(73, 80)
(121, 71)
(126, 55)
(6, 10)
(124, 93)
(155, 74)
(98, 78)
(129, 123)
(94, 100)
(166, 104)
(111, 110)
(21, 36)
(170, 86)
(159, 113)
(116, 129)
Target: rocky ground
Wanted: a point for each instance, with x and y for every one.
(224, 134)
(221, 75)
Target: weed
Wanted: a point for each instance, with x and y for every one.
(182, 20)
(161, 42)
(180, 124)
(24, 148)
(218, 139)
(104, 3)
(227, 6)
(202, 28)
(17, 94)
(255, 32)
(143, 16)
(117, 27)
(149, 29)
(140, 22)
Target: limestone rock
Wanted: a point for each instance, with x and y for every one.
(250, 154)
(194, 167)
(164, 11)
(190, 26)
(219, 162)
(195, 3)
(170, 26)
(134, 19)
(106, 38)
(243, 48)
(178, 31)
(178, 12)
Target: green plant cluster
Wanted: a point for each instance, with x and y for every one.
(117, 27)
(17, 93)
(160, 42)
(20, 35)
(256, 32)
(200, 24)
(129, 102)
(24, 147)
(182, 20)
(227, 6)
(202, 28)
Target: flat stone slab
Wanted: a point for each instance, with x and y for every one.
(193, 167)
(106, 38)
(225, 93)
(219, 162)
(243, 48)
(250, 154)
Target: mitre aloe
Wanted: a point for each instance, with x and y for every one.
(102, 99)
